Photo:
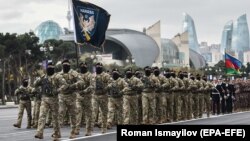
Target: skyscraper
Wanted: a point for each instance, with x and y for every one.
(226, 41)
(188, 25)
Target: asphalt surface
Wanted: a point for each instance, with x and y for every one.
(9, 133)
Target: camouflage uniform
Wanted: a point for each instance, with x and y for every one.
(83, 102)
(186, 106)
(161, 99)
(196, 95)
(51, 85)
(170, 98)
(67, 99)
(130, 101)
(100, 98)
(36, 108)
(208, 89)
(177, 101)
(116, 89)
(201, 98)
(148, 98)
(24, 94)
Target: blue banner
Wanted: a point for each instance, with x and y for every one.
(91, 23)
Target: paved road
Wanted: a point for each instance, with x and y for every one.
(9, 133)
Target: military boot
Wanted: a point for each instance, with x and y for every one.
(104, 130)
(77, 132)
(39, 135)
(88, 132)
(56, 135)
(16, 125)
(109, 126)
(72, 134)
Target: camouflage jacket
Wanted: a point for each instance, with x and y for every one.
(71, 78)
(24, 93)
(86, 84)
(135, 85)
(116, 88)
(164, 84)
(150, 83)
(101, 82)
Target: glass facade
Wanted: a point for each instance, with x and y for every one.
(170, 51)
(188, 25)
(240, 39)
(227, 37)
(48, 30)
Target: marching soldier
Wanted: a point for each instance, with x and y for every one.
(84, 98)
(67, 98)
(36, 109)
(50, 84)
(130, 99)
(138, 74)
(116, 89)
(100, 98)
(148, 96)
(207, 92)
(24, 92)
(160, 96)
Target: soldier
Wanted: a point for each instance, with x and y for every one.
(223, 97)
(201, 95)
(148, 96)
(50, 84)
(116, 89)
(24, 92)
(207, 91)
(84, 97)
(230, 97)
(197, 97)
(177, 94)
(130, 99)
(160, 97)
(100, 98)
(67, 98)
(36, 109)
(173, 86)
(138, 75)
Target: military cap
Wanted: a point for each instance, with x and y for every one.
(98, 64)
(65, 61)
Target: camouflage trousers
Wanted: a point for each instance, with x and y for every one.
(170, 106)
(159, 107)
(164, 107)
(24, 104)
(183, 105)
(48, 103)
(130, 109)
(148, 107)
(139, 109)
(68, 102)
(36, 110)
(100, 101)
(207, 103)
(195, 97)
(84, 110)
(177, 108)
(189, 105)
(115, 111)
(201, 104)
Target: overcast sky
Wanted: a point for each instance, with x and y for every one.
(19, 16)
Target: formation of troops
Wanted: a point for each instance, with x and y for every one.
(137, 97)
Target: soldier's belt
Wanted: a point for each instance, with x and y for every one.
(98, 92)
(148, 90)
(131, 93)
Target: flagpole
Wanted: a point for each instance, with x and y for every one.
(76, 47)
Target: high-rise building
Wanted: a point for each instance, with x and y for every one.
(189, 27)
(226, 41)
(240, 36)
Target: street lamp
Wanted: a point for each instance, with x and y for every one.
(46, 50)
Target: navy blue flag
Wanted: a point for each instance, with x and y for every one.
(91, 23)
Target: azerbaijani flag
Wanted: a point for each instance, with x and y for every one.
(233, 65)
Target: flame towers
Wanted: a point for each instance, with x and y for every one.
(188, 25)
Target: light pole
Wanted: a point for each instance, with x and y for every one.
(47, 50)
